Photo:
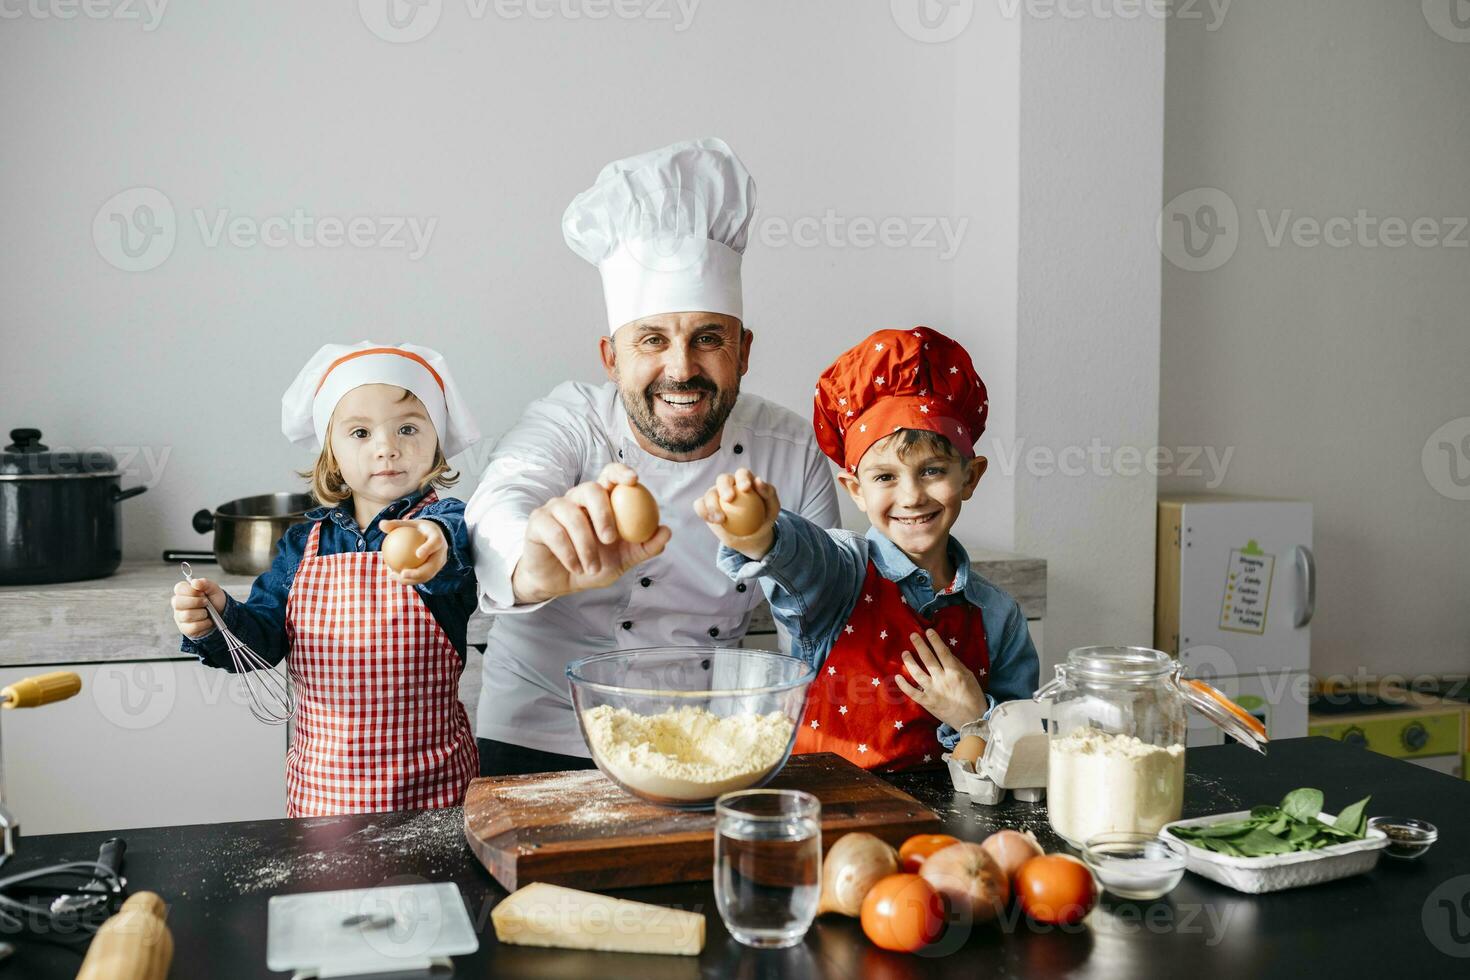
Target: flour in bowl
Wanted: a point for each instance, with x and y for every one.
(686, 753)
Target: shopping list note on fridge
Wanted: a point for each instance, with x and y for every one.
(1247, 589)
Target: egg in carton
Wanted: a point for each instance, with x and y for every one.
(1013, 758)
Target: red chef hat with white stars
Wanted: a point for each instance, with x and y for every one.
(898, 379)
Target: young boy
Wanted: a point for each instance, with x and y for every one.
(900, 413)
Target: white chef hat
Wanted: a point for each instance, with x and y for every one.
(333, 371)
(667, 230)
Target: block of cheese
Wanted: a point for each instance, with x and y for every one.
(550, 915)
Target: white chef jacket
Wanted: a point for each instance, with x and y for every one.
(680, 598)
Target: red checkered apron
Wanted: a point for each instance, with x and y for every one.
(379, 724)
(856, 709)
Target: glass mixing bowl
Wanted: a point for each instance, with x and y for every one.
(678, 726)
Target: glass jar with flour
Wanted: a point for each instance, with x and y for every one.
(1117, 728)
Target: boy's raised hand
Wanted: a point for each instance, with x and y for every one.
(188, 601)
(942, 685)
(433, 553)
(757, 543)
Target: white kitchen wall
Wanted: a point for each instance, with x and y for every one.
(1092, 114)
(1017, 154)
(487, 127)
(1336, 373)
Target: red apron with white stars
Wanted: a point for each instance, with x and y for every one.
(379, 724)
(856, 709)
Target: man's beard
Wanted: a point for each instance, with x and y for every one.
(687, 435)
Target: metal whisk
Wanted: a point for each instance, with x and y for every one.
(271, 700)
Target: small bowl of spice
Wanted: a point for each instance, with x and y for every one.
(1407, 838)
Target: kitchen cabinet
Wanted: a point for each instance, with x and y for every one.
(146, 743)
(154, 738)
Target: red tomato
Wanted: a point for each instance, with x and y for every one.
(916, 850)
(1055, 889)
(903, 913)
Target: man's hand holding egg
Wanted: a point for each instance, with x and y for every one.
(587, 538)
(741, 510)
(414, 551)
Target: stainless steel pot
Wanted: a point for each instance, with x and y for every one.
(247, 530)
(59, 515)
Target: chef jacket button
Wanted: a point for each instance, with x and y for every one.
(714, 631)
(645, 582)
(740, 587)
(620, 454)
(739, 449)
(627, 624)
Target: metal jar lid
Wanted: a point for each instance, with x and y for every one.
(26, 457)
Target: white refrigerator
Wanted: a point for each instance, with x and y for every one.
(1236, 590)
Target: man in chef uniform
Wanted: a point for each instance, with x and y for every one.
(666, 229)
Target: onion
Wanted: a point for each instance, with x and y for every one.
(851, 868)
(970, 880)
(1011, 849)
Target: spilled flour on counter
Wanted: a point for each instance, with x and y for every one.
(433, 838)
(686, 753)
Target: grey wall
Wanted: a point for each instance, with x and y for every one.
(1327, 369)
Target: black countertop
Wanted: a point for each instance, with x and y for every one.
(1402, 919)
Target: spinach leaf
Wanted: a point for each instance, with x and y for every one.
(1354, 819)
(1303, 804)
(1232, 828)
(1258, 843)
(1301, 832)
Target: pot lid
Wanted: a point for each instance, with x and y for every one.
(26, 455)
(1236, 722)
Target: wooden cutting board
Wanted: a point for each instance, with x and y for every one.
(579, 829)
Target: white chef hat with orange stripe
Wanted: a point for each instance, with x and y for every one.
(336, 369)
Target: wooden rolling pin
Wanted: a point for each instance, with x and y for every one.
(134, 944)
(32, 692)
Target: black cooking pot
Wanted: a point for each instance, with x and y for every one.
(58, 512)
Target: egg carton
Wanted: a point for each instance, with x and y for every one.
(1014, 759)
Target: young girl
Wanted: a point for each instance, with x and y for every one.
(374, 655)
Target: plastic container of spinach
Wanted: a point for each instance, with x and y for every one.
(1273, 848)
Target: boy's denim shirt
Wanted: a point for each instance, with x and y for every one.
(261, 621)
(813, 578)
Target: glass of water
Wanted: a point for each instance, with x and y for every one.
(768, 864)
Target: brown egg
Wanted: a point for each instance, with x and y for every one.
(971, 747)
(745, 514)
(399, 547)
(635, 512)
